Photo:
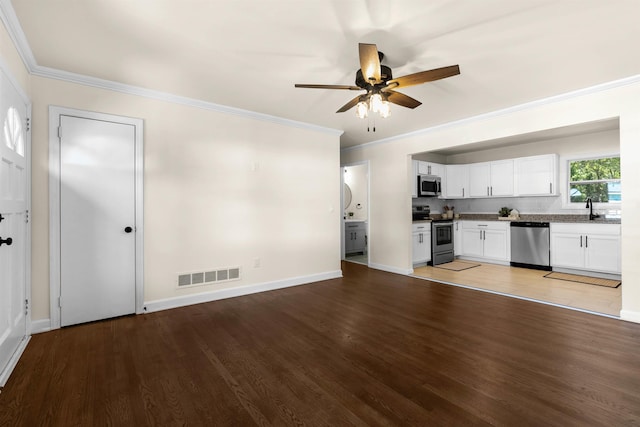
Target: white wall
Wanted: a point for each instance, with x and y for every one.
(221, 190)
(390, 169)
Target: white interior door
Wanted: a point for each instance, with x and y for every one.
(97, 219)
(13, 224)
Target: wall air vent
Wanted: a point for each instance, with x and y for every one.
(200, 278)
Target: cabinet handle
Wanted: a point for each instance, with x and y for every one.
(487, 191)
(586, 241)
(462, 191)
(550, 188)
(580, 241)
(480, 234)
(492, 190)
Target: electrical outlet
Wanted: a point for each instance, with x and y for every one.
(256, 263)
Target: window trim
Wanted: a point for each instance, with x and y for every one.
(566, 181)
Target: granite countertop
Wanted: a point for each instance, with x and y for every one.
(544, 218)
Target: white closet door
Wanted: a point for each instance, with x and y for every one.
(97, 219)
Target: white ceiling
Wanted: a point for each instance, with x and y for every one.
(249, 53)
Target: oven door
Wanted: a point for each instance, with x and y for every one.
(442, 237)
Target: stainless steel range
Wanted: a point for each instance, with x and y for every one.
(441, 241)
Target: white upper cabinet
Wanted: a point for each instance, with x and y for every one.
(479, 179)
(523, 176)
(428, 168)
(491, 179)
(502, 178)
(536, 175)
(457, 181)
(413, 184)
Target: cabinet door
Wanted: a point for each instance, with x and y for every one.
(413, 184)
(437, 169)
(479, 179)
(495, 245)
(423, 168)
(358, 241)
(536, 176)
(472, 243)
(421, 247)
(567, 250)
(457, 238)
(457, 181)
(502, 178)
(602, 253)
(428, 168)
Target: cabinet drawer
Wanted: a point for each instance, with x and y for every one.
(582, 228)
(422, 227)
(354, 226)
(485, 225)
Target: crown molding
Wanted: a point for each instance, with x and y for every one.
(110, 85)
(14, 29)
(509, 110)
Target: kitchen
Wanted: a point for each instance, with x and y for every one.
(528, 176)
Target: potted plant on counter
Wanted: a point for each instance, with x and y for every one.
(504, 212)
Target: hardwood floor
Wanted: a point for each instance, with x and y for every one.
(531, 284)
(372, 348)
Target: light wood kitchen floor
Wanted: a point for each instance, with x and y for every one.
(528, 283)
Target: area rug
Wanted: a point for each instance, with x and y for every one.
(457, 265)
(609, 283)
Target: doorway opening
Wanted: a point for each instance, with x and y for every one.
(355, 212)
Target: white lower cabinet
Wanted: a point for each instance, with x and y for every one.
(457, 238)
(592, 247)
(355, 237)
(421, 243)
(486, 239)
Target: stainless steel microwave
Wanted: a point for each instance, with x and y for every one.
(429, 186)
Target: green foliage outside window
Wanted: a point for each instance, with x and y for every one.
(598, 179)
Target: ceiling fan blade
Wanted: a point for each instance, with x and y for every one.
(344, 87)
(425, 76)
(349, 105)
(369, 62)
(402, 99)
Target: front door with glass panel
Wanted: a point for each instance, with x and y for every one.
(13, 224)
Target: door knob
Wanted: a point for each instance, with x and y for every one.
(8, 241)
(128, 229)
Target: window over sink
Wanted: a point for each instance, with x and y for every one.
(595, 178)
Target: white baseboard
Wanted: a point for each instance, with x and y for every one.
(6, 372)
(39, 326)
(389, 269)
(630, 316)
(185, 300)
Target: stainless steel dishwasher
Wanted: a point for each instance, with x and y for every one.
(530, 245)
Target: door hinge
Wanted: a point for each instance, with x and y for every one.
(60, 302)
(28, 127)
(26, 216)
(26, 307)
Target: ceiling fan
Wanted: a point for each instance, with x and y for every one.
(380, 85)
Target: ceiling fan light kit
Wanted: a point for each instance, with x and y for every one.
(379, 84)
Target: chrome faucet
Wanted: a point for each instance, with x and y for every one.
(592, 216)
